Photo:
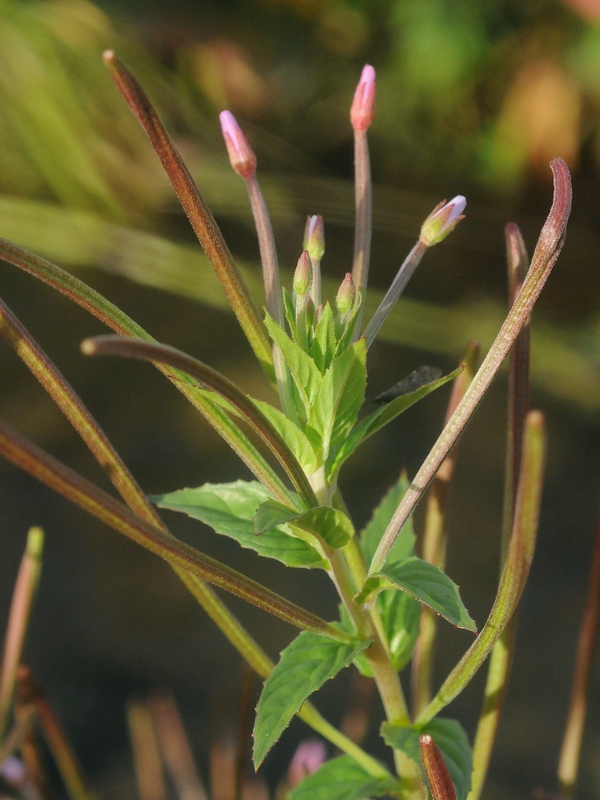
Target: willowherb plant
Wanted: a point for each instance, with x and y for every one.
(314, 352)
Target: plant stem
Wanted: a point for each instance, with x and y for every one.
(514, 575)
(98, 503)
(18, 620)
(518, 405)
(434, 542)
(363, 203)
(405, 273)
(546, 253)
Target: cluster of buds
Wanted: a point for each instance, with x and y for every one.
(307, 301)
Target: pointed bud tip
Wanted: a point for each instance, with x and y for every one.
(442, 220)
(345, 296)
(241, 155)
(362, 110)
(314, 237)
(303, 274)
(108, 56)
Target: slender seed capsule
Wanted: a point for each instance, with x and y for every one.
(436, 770)
(303, 274)
(314, 237)
(345, 296)
(362, 110)
(442, 220)
(240, 153)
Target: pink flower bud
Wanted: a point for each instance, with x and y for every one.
(307, 759)
(363, 105)
(345, 296)
(442, 220)
(314, 237)
(240, 153)
(303, 274)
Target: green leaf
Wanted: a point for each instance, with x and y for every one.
(270, 514)
(452, 741)
(291, 433)
(324, 342)
(342, 779)
(229, 509)
(340, 396)
(304, 666)
(404, 546)
(401, 617)
(303, 370)
(426, 583)
(382, 416)
(290, 312)
(329, 525)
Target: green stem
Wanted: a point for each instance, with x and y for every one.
(18, 621)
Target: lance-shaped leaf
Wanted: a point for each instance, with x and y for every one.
(101, 308)
(324, 342)
(215, 382)
(372, 533)
(303, 369)
(401, 617)
(198, 213)
(229, 509)
(29, 457)
(375, 421)
(546, 253)
(343, 779)
(305, 665)
(291, 433)
(340, 397)
(515, 572)
(426, 583)
(330, 526)
(450, 738)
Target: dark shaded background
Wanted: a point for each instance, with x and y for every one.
(471, 99)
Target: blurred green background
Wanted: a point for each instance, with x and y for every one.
(472, 98)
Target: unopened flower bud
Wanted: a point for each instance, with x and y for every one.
(442, 220)
(241, 155)
(314, 237)
(362, 110)
(345, 296)
(436, 770)
(303, 274)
